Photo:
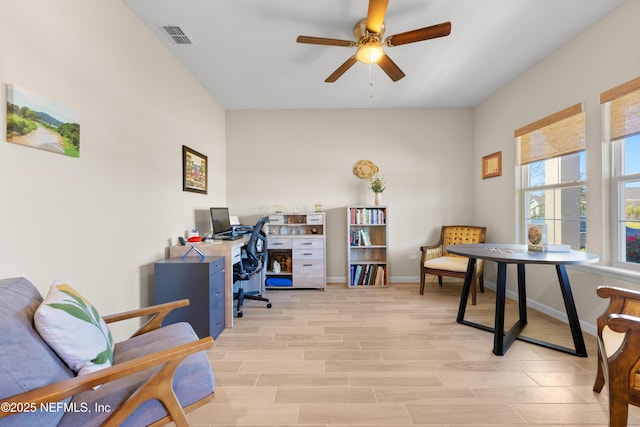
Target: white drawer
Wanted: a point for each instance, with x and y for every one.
(276, 219)
(314, 219)
(278, 243)
(307, 270)
(312, 282)
(301, 255)
(308, 243)
(236, 255)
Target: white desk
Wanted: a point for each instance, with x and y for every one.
(230, 250)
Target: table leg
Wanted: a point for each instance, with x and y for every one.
(572, 313)
(522, 295)
(502, 340)
(468, 279)
(498, 330)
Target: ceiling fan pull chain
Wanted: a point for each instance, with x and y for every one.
(370, 83)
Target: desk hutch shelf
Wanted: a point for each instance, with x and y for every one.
(296, 242)
(367, 246)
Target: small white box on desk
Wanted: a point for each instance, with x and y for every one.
(558, 248)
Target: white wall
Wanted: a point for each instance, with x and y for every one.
(306, 157)
(604, 56)
(101, 220)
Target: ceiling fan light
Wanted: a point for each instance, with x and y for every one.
(369, 53)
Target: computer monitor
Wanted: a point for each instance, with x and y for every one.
(220, 221)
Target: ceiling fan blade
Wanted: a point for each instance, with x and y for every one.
(388, 66)
(375, 15)
(426, 33)
(325, 41)
(341, 69)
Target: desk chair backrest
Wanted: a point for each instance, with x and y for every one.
(256, 249)
(253, 260)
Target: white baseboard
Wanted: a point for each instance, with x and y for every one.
(589, 328)
(393, 279)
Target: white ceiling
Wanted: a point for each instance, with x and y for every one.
(245, 52)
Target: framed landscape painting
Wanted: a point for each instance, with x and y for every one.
(194, 171)
(38, 122)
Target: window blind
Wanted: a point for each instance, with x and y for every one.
(556, 135)
(625, 109)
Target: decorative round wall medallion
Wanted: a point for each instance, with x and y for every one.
(365, 169)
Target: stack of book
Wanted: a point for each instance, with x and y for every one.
(367, 274)
(369, 216)
(359, 238)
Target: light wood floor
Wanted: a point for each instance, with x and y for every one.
(388, 356)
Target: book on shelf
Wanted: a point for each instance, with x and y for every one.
(365, 238)
(379, 277)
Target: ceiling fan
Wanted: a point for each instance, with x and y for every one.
(368, 34)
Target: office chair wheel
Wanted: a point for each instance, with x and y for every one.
(239, 314)
(269, 305)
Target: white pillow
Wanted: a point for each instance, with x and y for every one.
(74, 330)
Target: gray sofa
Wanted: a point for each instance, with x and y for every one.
(33, 377)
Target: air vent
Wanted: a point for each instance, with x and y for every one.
(176, 33)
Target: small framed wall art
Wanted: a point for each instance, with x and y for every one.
(39, 122)
(194, 171)
(492, 165)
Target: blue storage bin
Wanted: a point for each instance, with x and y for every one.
(278, 281)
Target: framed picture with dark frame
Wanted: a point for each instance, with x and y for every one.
(492, 165)
(194, 171)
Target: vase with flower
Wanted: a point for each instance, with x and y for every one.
(377, 184)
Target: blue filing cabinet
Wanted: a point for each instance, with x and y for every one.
(202, 282)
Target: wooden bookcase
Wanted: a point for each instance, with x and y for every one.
(367, 246)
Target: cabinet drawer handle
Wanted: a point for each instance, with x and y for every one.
(307, 253)
(307, 243)
(277, 243)
(307, 265)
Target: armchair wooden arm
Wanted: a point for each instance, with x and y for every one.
(624, 323)
(157, 312)
(431, 251)
(159, 386)
(619, 351)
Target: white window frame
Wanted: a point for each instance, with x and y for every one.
(618, 203)
(546, 143)
(524, 209)
(616, 131)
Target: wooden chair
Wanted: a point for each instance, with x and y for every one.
(436, 260)
(159, 374)
(619, 352)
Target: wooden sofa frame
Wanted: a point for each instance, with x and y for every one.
(159, 386)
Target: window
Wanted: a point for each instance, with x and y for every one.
(553, 176)
(621, 106)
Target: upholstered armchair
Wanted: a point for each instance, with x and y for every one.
(437, 261)
(619, 352)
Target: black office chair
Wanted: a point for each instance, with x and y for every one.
(252, 261)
